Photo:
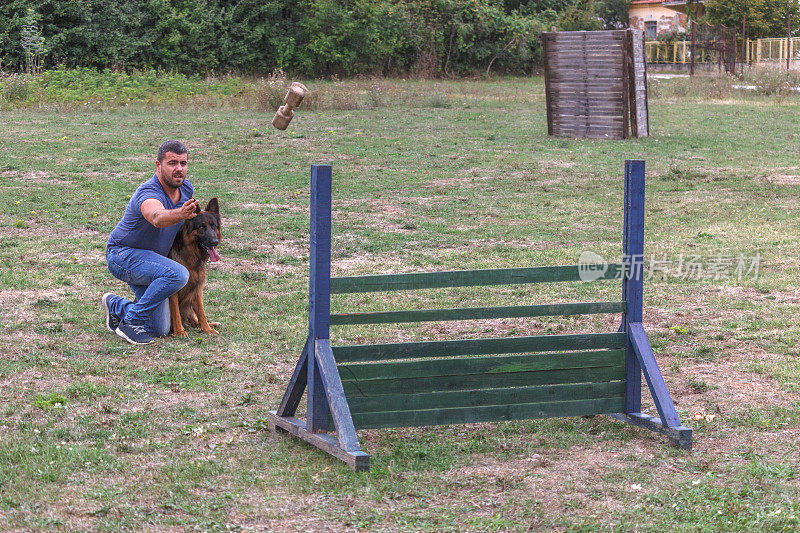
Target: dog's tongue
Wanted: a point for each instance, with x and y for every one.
(213, 255)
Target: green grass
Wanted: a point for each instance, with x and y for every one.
(436, 175)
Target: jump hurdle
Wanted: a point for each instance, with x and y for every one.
(471, 380)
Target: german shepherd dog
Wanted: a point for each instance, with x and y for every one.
(195, 245)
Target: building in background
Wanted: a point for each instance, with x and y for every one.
(657, 18)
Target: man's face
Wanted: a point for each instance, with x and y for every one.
(172, 170)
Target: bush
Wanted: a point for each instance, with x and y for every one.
(271, 91)
(580, 16)
(114, 88)
(671, 37)
(306, 37)
(15, 88)
(701, 86)
(773, 81)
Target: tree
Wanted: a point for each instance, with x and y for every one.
(614, 13)
(32, 41)
(765, 18)
(580, 16)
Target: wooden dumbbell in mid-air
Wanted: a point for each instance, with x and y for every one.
(297, 91)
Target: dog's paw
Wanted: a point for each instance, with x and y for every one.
(214, 324)
(211, 331)
(179, 333)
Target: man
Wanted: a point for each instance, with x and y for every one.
(137, 249)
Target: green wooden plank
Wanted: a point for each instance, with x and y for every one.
(360, 403)
(466, 415)
(541, 343)
(474, 313)
(480, 365)
(467, 278)
(483, 381)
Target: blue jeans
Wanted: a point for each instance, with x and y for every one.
(153, 278)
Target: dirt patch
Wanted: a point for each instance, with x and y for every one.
(25, 379)
(281, 248)
(753, 295)
(556, 163)
(39, 176)
(241, 266)
(22, 301)
(288, 248)
(555, 479)
(784, 179)
(373, 204)
(365, 262)
(50, 231)
(372, 167)
(461, 182)
(512, 327)
(288, 207)
(394, 215)
(270, 207)
(80, 257)
(476, 244)
(731, 385)
(230, 222)
(150, 158)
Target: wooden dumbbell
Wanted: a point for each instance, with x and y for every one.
(297, 91)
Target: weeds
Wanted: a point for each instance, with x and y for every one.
(272, 90)
(51, 400)
(776, 82)
(15, 88)
(701, 86)
(69, 89)
(699, 385)
(109, 89)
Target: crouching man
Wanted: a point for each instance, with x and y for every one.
(137, 249)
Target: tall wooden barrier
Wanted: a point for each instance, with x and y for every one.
(596, 84)
(472, 380)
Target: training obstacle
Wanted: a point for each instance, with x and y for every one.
(472, 380)
(596, 84)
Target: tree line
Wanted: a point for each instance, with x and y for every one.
(308, 37)
(758, 18)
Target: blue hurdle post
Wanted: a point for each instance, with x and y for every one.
(315, 371)
(639, 357)
(632, 287)
(319, 299)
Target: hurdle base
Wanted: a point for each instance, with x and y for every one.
(679, 436)
(357, 461)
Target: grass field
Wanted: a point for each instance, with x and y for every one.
(98, 435)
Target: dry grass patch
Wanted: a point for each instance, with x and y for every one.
(460, 182)
(556, 163)
(39, 177)
(784, 179)
(251, 266)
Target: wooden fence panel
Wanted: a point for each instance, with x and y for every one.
(595, 83)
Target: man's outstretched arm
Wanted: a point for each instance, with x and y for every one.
(155, 213)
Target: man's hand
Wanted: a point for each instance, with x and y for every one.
(155, 213)
(189, 209)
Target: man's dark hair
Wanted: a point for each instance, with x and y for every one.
(176, 147)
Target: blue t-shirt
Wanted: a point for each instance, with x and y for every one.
(135, 231)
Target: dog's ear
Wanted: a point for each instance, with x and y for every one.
(213, 206)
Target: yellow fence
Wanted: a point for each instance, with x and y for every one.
(660, 52)
(757, 51)
(773, 50)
